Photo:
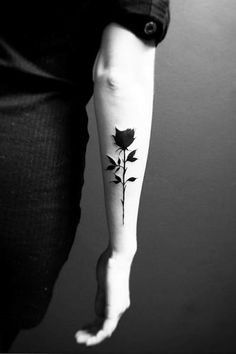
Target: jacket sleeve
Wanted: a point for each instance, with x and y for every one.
(148, 19)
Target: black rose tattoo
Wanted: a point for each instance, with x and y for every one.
(123, 139)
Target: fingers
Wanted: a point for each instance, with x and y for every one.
(85, 336)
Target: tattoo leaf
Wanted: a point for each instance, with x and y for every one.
(119, 161)
(116, 182)
(118, 178)
(131, 157)
(131, 179)
(110, 167)
(111, 160)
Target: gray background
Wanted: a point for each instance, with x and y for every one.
(183, 288)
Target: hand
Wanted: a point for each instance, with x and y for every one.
(112, 298)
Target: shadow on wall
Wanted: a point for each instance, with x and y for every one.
(183, 278)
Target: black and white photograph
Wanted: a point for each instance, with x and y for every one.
(118, 176)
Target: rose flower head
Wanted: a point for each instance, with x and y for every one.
(124, 138)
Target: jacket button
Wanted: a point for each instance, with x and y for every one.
(150, 27)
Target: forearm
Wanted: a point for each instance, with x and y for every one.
(123, 76)
(123, 99)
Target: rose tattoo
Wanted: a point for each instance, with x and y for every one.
(123, 139)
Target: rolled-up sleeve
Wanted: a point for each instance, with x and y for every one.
(148, 19)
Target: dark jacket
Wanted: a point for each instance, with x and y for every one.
(148, 19)
(64, 38)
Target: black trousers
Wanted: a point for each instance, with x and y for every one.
(43, 139)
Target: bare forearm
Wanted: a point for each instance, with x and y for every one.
(123, 99)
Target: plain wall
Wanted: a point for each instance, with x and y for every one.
(183, 286)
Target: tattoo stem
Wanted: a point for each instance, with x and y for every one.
(123, 202)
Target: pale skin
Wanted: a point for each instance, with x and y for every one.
(123, 76)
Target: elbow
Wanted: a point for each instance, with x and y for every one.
(120, 77)
(122, 81)
(114, 79)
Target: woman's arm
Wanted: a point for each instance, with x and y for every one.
(123, 98)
